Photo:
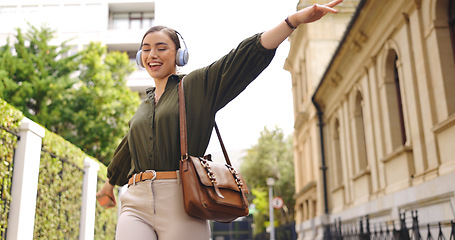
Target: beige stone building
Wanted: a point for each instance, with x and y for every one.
(374, 104)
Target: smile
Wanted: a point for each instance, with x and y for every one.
(153, 64)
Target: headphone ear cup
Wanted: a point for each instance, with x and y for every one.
(181, 58)
(139, 59)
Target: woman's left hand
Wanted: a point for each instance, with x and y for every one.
(272, 38)
(314, 12)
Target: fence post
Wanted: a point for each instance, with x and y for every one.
(415, 226)
(452, 232)
(87, 226)
(24, 187)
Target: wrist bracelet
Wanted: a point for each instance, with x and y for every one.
(289, 23)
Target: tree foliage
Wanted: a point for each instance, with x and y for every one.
(272, 157)
(90, 109)
(95, 114)
(34, 71)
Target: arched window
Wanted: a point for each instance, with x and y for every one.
(402, 135)
(395, 113)
(336, 155)
(451, 18)
(360, 133)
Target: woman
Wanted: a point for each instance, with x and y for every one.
(148, 157)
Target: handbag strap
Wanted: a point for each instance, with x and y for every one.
(183, 129)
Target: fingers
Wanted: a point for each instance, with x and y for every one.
(316, 11)
(324, 8)
(106, 201)
(333, 3)
(328, 7)
(113, 199)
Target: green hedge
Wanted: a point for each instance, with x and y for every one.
(59, 185)
(59, 196)
(9, 121)
(106, 219)
(60, 193)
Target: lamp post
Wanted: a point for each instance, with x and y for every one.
(270, 183)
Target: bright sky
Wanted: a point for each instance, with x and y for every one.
(211, 28)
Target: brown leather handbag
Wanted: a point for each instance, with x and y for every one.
(211, 190)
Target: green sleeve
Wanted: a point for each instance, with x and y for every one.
(118, 169)
(209, 89)
(226, 78)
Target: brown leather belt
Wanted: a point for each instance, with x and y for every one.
(151, 175)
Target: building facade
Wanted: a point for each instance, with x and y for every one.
(374, 113)
(118, 24)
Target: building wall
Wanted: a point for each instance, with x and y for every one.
(310, 53)
(388, 112)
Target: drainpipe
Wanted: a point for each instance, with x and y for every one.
(324, 166)
(318, 108)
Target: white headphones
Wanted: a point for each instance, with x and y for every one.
(181, 57)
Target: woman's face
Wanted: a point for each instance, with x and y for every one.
(158, 55)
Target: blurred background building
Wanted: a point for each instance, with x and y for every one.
(118, 24)
(374, 115)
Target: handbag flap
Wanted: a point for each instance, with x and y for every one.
(223, 176)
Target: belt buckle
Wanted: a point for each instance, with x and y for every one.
(154, 174)
(134, 180)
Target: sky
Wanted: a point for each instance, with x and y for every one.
(211, 28)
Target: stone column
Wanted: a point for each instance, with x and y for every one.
(87, 227)
(24, 187)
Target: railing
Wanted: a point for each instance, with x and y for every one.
(59, 197)
(363, 229)
(238, 230)
(53, 197)
(47, 185)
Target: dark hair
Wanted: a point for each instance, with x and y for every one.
(169, 31)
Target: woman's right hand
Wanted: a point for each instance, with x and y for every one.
(105, 196)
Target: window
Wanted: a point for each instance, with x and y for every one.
(360, 134)
(395, 119)
(402, 133)
(336, 155)
(302, 212)
(132, 20)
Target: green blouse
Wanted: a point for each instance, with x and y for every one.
(153, 139)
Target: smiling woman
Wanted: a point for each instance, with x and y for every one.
(152, 143)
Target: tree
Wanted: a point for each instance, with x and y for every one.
(91, 110)
(273, 157)
(31, 78)
(95, 114)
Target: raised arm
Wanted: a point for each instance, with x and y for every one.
(274, 37)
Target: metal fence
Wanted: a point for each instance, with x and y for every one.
(59, 197)
(398, 230)
(237, 230)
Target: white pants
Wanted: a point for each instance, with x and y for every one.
(154, 210)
